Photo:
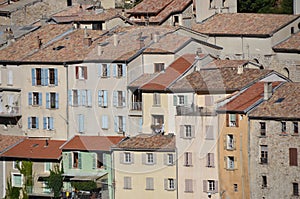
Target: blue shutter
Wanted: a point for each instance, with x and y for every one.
(140, 124)
(105, 100)
(37, 123)
(115, 98)
(56, 77)
(56, 100)
(185, 100)
(44, 122)
(79, 97)
(30, 98)
(99, 70)
(123, 98)
(108, 70)
(83, 93)
(33, 78)
(51, 123)
(81, 123)
(46, 81)
(124, 124)
(104, 121)
(100, 100)
(47, 100)
(40, 99)
(70, 93)
(116, 126)
(43, 76)
(89, 98)
(115, 70)
(29, 122)
(174, 100)
(124, 70)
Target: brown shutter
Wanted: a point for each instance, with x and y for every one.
(85, 72)
(293, 157)
(227, 119)
(237, 120)
(76, 72)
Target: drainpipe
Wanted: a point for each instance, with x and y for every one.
(176, 154)
(4, 178)
(67, 107)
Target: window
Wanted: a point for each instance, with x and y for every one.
(296, 130)
(188, 185)
(210, 186)
(9, 77)
(53, 76)
(119, 124)
(150, 158)
(76, 161)
(35, 99)
(295, 189)
(232, 120)
(17, 180)
(264, 182)
(262, 128)
(16, 163)
(48, 123)
(86, 98)
(44, 76)
(230, 162)
(293, 156)
(156, 99)
(36, 75)
(81, 72)
(210, 160)
(128, 158)
(75, 97)
(209, 132)
(159, 67)
(187, 131)
(157, 120)
(119, 70)
(149, 184)
(169, 159)
(187, 159)
(102, 98)
(52, 100)
(119, 99)
(230, 142)
(46, 189)
(33, 122)
(179, 100)
(170, 184)
(104, 70)
(283, 127)
(80, 123)
(264, 154)
(104, 122)
(127, 182)
(235, 187)
(47, 166)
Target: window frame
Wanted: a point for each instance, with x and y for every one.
(149, 183)
(295, 189)
(188, 159)
(263, 127)
(13, 179)
(264, 154)
(230, 163)
(81, 72)
(127, 158)
(158, 67)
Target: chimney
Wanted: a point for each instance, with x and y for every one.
(240, 69)
(87, 41)
(267, 90)
(296, 7)
(99, 49)
(116, 39)
(39, 42)
(156, 37)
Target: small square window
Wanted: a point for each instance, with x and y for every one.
(127, 158)
(296, 130)
(262, 128)
(295, 189)
(235, 187)
(264, 182)
(283, 127)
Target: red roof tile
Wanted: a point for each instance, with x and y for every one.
(171, 73)
(35, 149)
(290, 45)
(7, 141)
(247, 98)
(102, 143)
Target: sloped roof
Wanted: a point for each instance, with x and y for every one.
(292, 44)
(7, 141)
(143, 79)
(35, 149)
(284, 103)
(218, 63)
(246, 24)
(247, 98)
(150, 142)
(101, 143)
(171, 73)
(218, 80)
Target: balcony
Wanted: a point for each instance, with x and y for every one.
(195, 111)
(11, 111)
(136, 108)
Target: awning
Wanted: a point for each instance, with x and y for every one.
(89, 178)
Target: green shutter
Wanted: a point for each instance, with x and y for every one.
(79, 160)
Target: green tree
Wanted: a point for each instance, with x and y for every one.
(12, 192)
(265, 6)
(84, 186)
(55, 181)
(26, 170)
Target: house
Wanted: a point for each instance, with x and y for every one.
(42, 153)
(88, 158)
(145, 167)
(233, 145)
(171, 12)
(6, 142)
(274, 144)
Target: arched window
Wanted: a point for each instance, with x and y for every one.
(286, 72)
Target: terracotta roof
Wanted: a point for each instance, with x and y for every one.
(171, 73)
(152, 142)
(35, 149)
(284, 103)
(290, 45)
(225, 63)
(143, 79)
(17, 5)
(102, 143)
(247, 98)
(218, 80)
(28, 44)
(158, 11)
(247, 24)
(7, 141)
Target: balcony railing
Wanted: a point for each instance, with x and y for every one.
(11, 111)
(195, 111)
(136, 106)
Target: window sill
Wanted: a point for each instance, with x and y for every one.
(149, 189)
(188, 191)
(230, 149)
(229, 169)
(188, 165)
(210, 166)
(262, 136)
(187, 138)
(295, 134)
(283, 134)
(156, 105)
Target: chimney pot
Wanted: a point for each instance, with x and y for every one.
(116, 39)
(99, 50)
(240, 69)
(156, 37)
(267, 90)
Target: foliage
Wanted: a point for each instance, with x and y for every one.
(84, 186)
(26, 170)
(265, 6)
(55, 181)
(12, 192)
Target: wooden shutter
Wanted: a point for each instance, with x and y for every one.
(55, 77)
(182, 134)
(100, 97)
(85, 72)
(70, 160)
(33, 77)
(56, 100)
(205, 186)
(100, 70)
(44, 122)
(216, 186)
(40, 99)
(293, 156)
(77, 72)
(124, 70)
(227, 119)
(193, 131)
(237, 120)
(174, 100)
(47, 100)
(30, 98)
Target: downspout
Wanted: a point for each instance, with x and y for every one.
(4, 179)
(67, 107)
(242, 165)
(176, 153)
(243, 47)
